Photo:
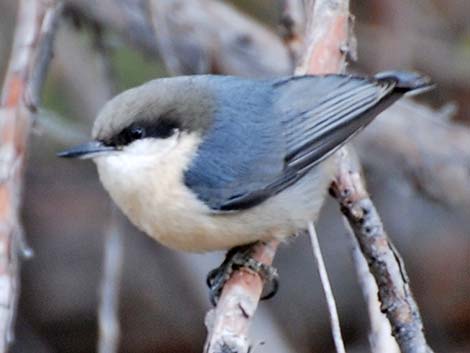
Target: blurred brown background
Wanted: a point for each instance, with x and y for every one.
(163, 297)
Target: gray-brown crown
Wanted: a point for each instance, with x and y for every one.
(184, 102)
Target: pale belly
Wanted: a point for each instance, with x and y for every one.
(158, 203)
(177, 219)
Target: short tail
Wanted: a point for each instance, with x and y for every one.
(406, 82)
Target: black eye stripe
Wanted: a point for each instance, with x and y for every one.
(161, 128)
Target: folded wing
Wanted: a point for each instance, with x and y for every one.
(310, 118)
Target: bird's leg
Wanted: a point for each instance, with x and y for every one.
(237, 257)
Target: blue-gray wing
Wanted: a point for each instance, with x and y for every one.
(269, 134)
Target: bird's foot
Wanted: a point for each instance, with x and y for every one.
(238, 257)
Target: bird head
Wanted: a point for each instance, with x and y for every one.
(146, 121)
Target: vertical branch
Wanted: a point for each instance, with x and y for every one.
(328, 38)
(30, 56)
(330, 299)
(109, 330)
(108, 312)
(385, 263)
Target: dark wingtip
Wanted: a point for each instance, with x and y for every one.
(407, 81)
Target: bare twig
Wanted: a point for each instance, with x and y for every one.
(229, 322)
(30, 56)
(328, 38)
(380, 339)
(384, 261)
(330, 299)
(108, 312)
(43, 54)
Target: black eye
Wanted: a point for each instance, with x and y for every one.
(136, 132)
(130, 134)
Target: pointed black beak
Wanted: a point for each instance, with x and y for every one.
(86, 150)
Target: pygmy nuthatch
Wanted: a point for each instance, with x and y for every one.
(202, 163)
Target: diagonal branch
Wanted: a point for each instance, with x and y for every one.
(384, 261)
(30, 56)
(380, 339)
(228, 324)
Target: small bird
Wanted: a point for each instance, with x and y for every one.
(208, 162)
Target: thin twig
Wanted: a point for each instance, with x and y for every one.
(42, 55)
(108, 311)
(330, 299)
(29, 59)
(380, 338)
(384, 261)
